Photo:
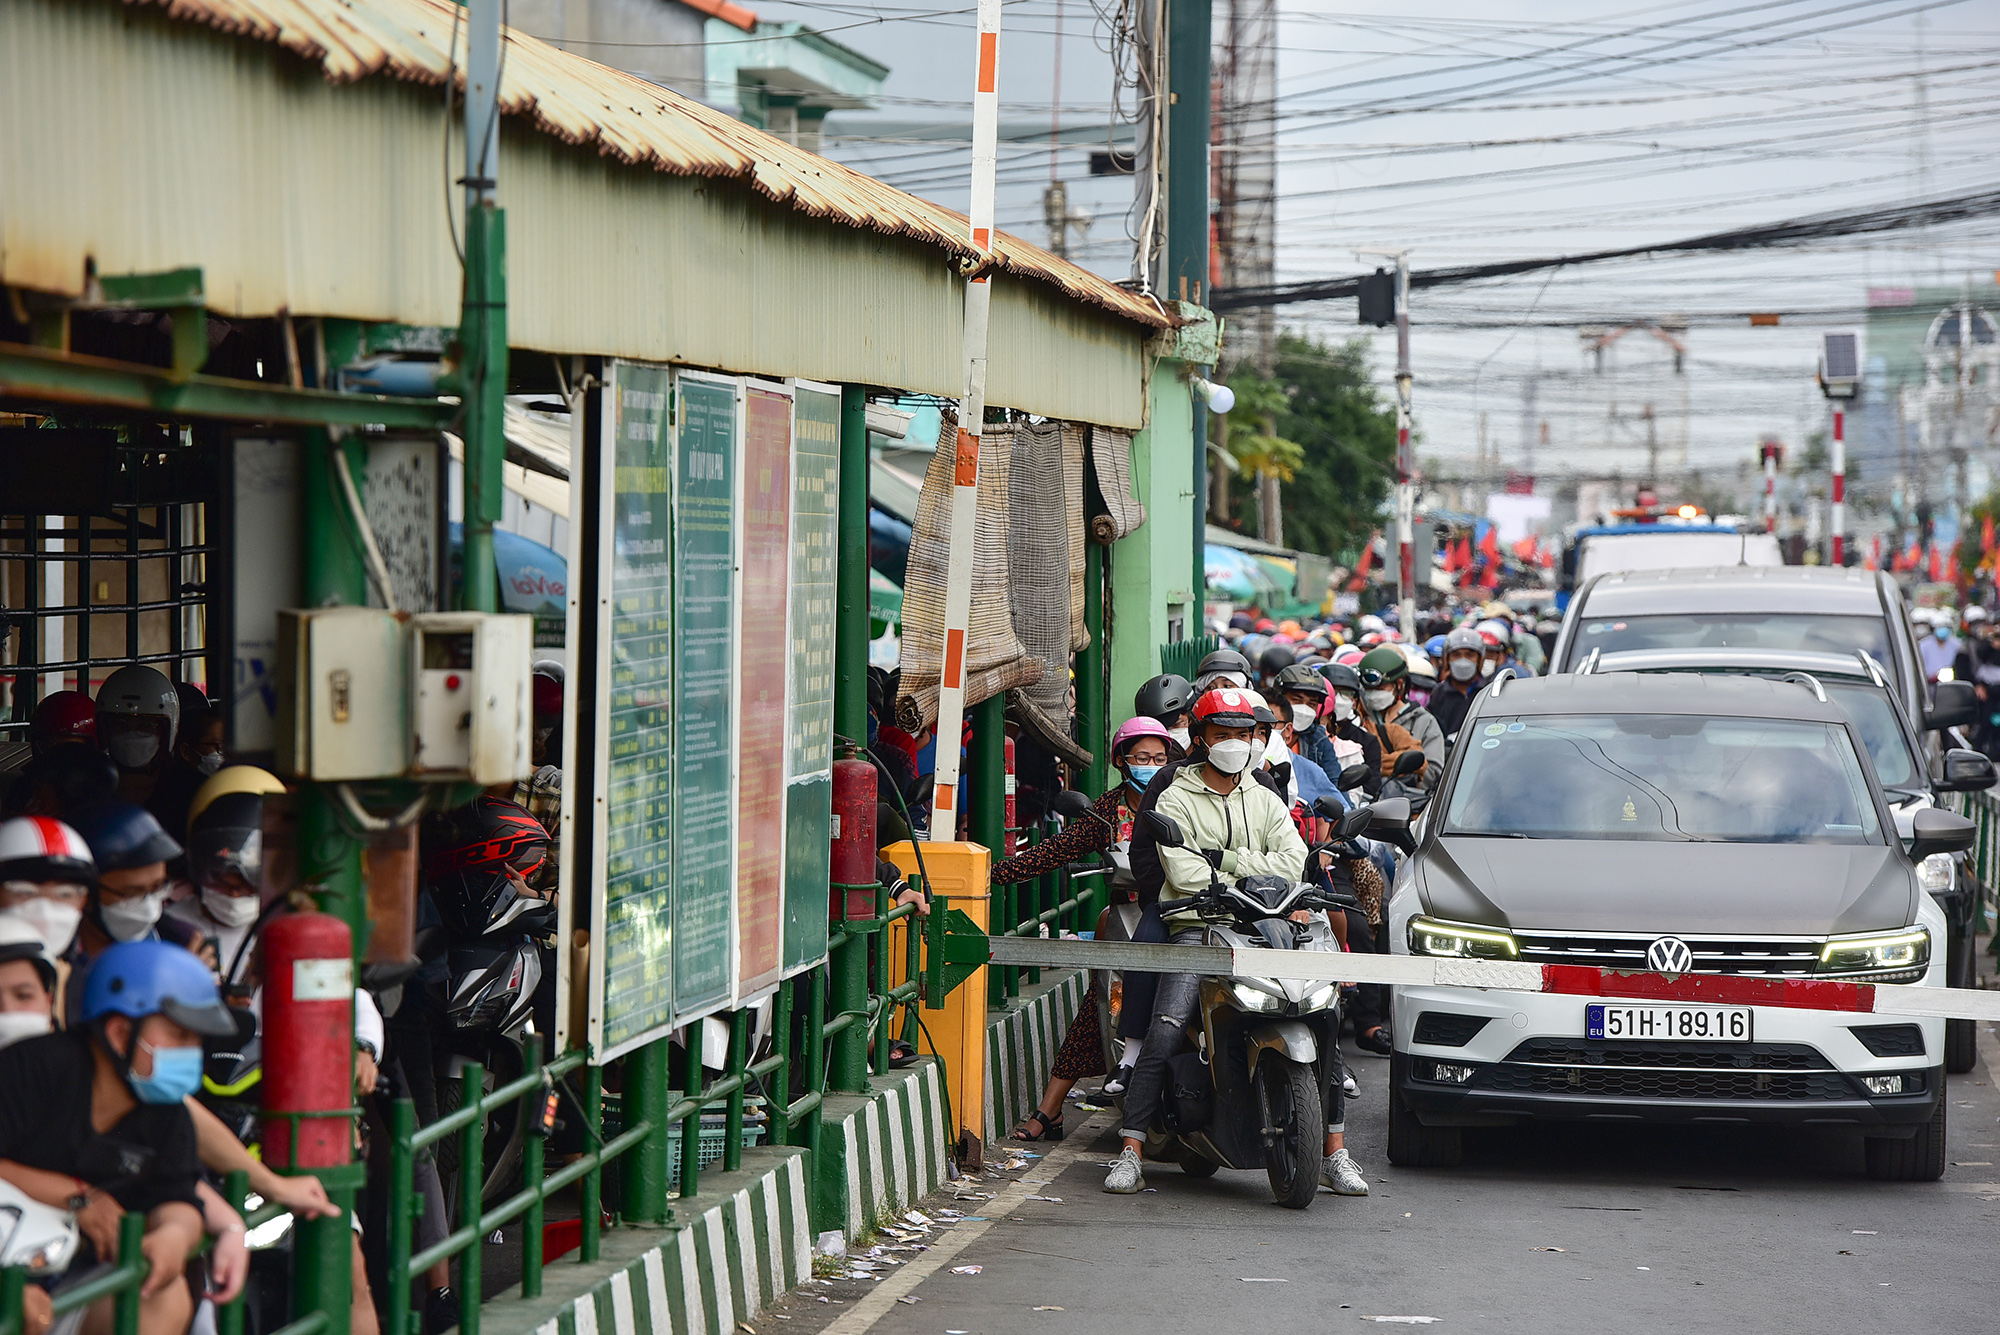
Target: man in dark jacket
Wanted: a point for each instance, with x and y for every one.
(1459, 682)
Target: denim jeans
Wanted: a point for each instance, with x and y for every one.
(1173, 1007)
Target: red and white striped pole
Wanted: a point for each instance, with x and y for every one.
(1841, 484)
(1770, 487)
(971, 421)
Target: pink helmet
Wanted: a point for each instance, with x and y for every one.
(1133, 729)
(1350, 654)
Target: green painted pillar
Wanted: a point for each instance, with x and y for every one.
(1093, 707)
(644, 1167)
(483, 334)
(987, 767)
(850, 651)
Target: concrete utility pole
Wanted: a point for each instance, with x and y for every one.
(1406, 500)
(971, 426)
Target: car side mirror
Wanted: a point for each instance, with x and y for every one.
(1166, 831)
(1935, 831)
(1953, 705)
(1407, 764)
(1070, 804)
(1388, 817)
(1352, 777)
(1965, 771)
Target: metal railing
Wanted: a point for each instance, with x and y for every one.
(1068, 899)
(1182, 657)
(1984, 810)
(121, 1279)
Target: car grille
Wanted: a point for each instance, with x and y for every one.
(1754, 1071)
(1777, 956)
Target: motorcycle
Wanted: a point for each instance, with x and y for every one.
(1249, 1090)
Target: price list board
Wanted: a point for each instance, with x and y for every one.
(760, 765)
(809, 722)
(704, 634)
(633, 990)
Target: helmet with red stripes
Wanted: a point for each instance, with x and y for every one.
(42, 848)
(1227, 706)
(489, 832)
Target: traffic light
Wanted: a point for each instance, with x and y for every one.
(1377, 292)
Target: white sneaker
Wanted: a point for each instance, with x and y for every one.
(1349, 1088)
(1338, 1173)
(1125, 1179)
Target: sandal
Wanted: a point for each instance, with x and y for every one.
(1051, 1127)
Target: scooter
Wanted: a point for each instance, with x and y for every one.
(1250, 1090)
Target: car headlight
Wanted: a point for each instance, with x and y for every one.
(1255, 999)
(1934, 873)
(1882, 956)
(1428, 936)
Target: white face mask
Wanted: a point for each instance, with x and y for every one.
(1343, 707)
(1463, 669)
(53, 921)
(209, 762)
(1303, 717)
(231, 910)
(131, 919)
(1379, 701)
(1231, 756)
(1277, 753)
(133, 750)
(1486, 667)
(17, 1025)
(1179, 735)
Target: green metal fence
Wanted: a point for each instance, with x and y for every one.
(1984, 810)
(1066, 900)
(1182, 657)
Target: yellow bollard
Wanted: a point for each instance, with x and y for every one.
(958, 880)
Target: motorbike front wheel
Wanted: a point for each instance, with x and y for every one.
(1288, 1099)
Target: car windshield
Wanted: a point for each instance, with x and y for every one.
(1733, 630)
(1874, 718)
(1663, 777)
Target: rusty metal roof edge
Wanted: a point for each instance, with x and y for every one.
(623, 115)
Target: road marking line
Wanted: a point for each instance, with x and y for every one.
(861, 1318)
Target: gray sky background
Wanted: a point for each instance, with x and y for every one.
(1473, 132)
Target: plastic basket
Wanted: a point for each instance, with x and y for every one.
(714, 1135)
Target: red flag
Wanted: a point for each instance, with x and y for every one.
(1875, 553)
(1491, 579)
(1464, 557)
(1986, 534)
(1489, 543)
(1951, 566)
(1937, 565)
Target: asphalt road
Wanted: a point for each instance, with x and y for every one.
(1644, 1230)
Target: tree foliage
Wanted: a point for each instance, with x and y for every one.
(1320, 397)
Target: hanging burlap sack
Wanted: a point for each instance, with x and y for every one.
(994, 658)
(1111, 457)
(1045, 538)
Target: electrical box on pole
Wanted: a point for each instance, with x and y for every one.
(1377, 294)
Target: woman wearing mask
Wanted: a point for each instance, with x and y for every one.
(226, 863)
(1141, 748)
(130, 897)
(46, 872)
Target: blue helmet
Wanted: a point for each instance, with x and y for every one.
(122, 835)
(1434, 646)
(141, 978)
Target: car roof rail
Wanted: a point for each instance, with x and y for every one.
(1874, 668)
(1808, 680)
(1590, 664)
(1500, 678)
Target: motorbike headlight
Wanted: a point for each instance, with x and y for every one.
(1253, 999)
(1934, 873)
(1428, 936)
(1880, 956)
(1320, 997)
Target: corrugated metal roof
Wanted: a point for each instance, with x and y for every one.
(626, 118)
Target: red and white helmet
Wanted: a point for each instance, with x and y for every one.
(41, 849)
(1227, 706)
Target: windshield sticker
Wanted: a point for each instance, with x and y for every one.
(1516, 727)
(1631, 812)
(1594, 628)
(1495, 729)
(1490, 743)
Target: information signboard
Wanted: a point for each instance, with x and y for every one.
(704, 633)
(632, 995)
(809, 726)
(760, 679)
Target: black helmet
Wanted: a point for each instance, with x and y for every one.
(1342, 677)
(122, 836)
(472, 850)
(1224, 660)
(1166, 697)
(491, 987)
(1275, 660)
(1299, 677)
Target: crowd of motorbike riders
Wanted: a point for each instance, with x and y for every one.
(1251, 762)
(137, 875)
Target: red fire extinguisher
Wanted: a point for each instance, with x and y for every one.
(308, 1039)
(1011, 822)
(853, 859)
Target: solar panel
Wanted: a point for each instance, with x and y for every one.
(1840, 356)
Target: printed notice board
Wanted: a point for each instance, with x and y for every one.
(760, 765)
(703, 635)
(632, 959)
(809, 725)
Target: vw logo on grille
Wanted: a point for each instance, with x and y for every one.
(1669, 955)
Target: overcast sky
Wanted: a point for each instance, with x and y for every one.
(1473, 132)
